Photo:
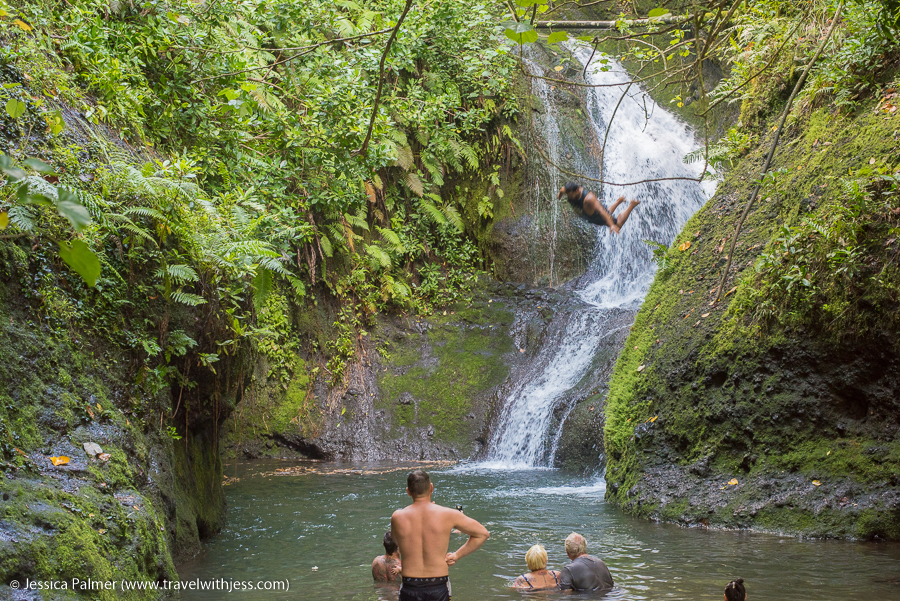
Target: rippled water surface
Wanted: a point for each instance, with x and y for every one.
(333, 517)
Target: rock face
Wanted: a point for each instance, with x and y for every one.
(421, 387)
(718, 417)
(128, 511)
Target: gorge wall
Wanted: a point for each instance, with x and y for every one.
(772, 409)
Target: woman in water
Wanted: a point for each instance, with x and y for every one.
(735, 591)
(540, 577)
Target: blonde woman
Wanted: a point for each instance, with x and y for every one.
(540, 577)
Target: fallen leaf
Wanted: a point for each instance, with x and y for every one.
(521, 350)
(705, 315)
(816, 483)
(90, 515)
(641, 368)
(92, 448)
(558, 68)
(872, 161)
(103, 456)
(61, 460)
(733, 482)
(4, 220)
(22, 25)
(684, 246)
(102, 531)
(653, 419)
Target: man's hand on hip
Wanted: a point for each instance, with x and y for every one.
(451, 559)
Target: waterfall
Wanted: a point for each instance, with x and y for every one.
(645, 142)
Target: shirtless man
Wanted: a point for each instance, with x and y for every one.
(423, 532)
(586, 205)
(386, 568)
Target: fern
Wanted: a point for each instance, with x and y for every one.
(391, 237)
(186, 298)
(453, 217)
(22, 218)
(414, 183)
(179, 273)
(380, 257)
(432, 212)
(273, 264)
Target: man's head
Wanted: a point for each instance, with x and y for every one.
(418, 485)
(576, 546)
(572, 190)
(390, 547)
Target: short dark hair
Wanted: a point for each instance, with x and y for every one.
(572, 187)
(390, 546)
(418, 483)
(735, 590)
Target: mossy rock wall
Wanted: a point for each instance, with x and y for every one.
(715, 420)
(129, 516)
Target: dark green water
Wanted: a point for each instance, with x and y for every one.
(333, 517)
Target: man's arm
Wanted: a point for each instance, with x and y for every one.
(477, 535)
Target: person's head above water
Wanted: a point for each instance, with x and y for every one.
(576, 545)
(390, 546)
(735, 590)
(536, 558)
(418, 485)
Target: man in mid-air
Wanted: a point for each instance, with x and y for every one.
(422, 530)
(586, 205)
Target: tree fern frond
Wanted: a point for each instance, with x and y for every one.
(405, 157)
(414, 183)
(391, 237)
(273, 264)
(356, 221)
(186, 298)
(453, 217)
(432, 212)
(380, 257)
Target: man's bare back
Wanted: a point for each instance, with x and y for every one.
(423, 532)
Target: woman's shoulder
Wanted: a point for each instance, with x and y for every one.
(521, 582)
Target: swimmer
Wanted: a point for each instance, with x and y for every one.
(387, 568)
(586, 572)
(735, 591)
(588, 206)
(540, 577)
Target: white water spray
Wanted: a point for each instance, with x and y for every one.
(645, 142)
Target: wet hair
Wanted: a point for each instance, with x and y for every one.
(390, 545)
(576, 545)
(418, 483)
(571, 187)
(536, 558)
(735, 590)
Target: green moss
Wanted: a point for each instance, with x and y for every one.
(719, 383)
(463, 360)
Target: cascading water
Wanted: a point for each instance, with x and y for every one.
(644, 142)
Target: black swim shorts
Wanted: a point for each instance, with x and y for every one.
(425, 589)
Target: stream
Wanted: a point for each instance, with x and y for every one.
(285, 519)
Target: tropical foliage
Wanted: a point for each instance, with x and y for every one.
(246, 162)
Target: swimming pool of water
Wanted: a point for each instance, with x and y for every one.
(282, 524)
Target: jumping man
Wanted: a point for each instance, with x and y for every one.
(423, 532)
(586, 205)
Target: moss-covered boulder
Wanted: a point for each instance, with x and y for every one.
(770, 409)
